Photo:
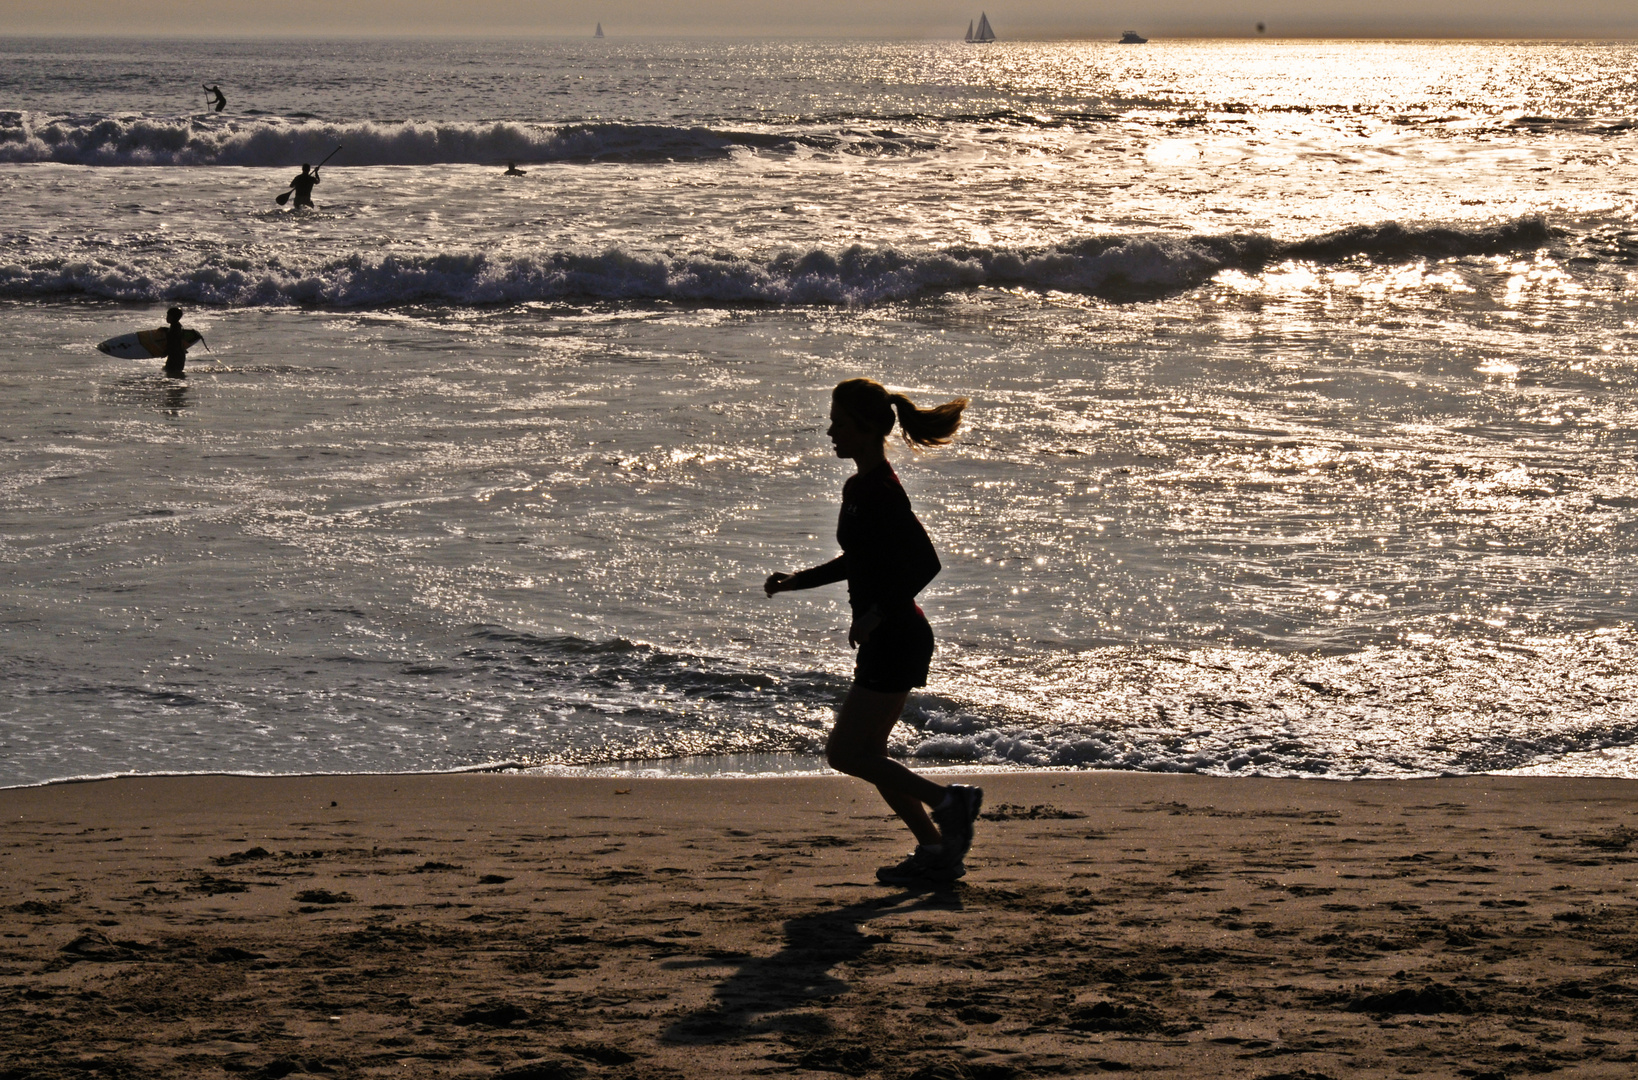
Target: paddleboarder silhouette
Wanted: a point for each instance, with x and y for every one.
(302, 186)
(221, 98)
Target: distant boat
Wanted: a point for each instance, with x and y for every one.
(969, 29)
(599, 30)
(1131, 37)
(983, 33)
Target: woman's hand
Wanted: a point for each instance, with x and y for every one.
(864, 624)
(776, 583)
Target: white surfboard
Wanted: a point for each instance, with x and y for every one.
(145, 344)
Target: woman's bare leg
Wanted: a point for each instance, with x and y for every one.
(858, 747)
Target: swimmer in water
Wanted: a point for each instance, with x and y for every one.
(513, 170)
(887, 559)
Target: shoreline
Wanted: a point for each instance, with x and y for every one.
(701, 768)
(500, 925)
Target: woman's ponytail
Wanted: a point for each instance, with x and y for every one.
(868, 402)
(927, 427)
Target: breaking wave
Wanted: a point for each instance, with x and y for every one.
(277, 143)
(1559, 705)
(1475, 707)
(1122, 267)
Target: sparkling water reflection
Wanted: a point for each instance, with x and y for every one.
(1301, 441)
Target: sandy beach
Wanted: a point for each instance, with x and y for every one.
(527, 927)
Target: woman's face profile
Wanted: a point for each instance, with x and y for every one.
(847, 436)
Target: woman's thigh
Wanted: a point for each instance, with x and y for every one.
(864, 721)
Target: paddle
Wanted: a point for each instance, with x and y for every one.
(284, 196)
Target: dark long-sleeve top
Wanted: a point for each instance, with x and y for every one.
(176, 345)
(886, 557)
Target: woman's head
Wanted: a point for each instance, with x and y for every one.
(868, 406)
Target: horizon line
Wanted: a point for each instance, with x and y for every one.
(283, 34)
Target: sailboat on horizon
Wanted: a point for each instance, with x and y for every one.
(599, 30)
(983, 33)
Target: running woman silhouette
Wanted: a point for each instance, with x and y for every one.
(887, 559)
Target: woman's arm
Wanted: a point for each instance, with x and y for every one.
(812, 578)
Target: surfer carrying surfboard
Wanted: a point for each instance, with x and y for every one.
(176, 344)
(161, 341)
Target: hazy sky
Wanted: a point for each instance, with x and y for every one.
(844, 18)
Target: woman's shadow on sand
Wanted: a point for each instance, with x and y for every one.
(759, 997)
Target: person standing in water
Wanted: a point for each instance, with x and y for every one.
(176, 345)
(303, 187)
(887, 559)
(221, 99)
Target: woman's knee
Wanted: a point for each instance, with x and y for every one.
(851, 760)
(840, 758)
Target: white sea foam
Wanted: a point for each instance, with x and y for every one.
(279, 143)
(1126, 266)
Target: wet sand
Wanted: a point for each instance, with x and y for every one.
(538, 928)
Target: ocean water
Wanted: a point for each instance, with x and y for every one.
(1302, 438)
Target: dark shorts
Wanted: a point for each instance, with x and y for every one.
(897, 656)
